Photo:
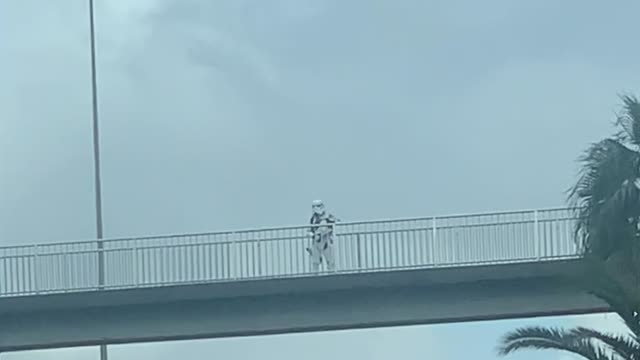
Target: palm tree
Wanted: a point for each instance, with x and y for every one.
(606, 194)
(607, 202)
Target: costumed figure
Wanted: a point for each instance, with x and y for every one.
(321, 232)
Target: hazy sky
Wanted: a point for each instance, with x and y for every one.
(219, 114)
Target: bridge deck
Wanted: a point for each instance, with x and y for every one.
(277, 306)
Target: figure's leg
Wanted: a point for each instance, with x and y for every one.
(329, 255)
(315, 258)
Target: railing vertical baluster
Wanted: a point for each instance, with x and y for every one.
(432, 243)
(259, 256)
(36, 287)
(22, 285)
(289, 252)
(134, 267)
(208, 257)
(358, 253)
(392, 236)
(234, 256)
(302, 258)
(5, 274)
(536, 235)
(195, 258)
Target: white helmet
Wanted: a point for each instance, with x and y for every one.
(317, 206)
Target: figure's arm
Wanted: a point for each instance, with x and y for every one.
(312, 228)
(332, 220)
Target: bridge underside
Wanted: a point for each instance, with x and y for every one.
(293, 305)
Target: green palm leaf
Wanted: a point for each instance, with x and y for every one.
(540, 338)
(626, 347)
(629, 120)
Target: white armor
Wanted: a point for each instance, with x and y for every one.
(321, 237)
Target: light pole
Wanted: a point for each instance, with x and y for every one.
(96, 160)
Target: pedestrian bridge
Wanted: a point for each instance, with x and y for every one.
(250, 282)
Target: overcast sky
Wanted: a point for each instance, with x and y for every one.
(219, 114)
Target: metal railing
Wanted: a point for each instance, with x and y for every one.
(367, 246)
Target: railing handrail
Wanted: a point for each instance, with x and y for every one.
(272, 239)
(289, 227)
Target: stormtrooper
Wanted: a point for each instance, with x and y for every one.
(321, 234)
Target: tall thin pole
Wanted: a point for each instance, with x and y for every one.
(96, 160)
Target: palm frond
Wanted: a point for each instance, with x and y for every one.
(629, 120)
(540, 338)
(626, 347)
(605, 197)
